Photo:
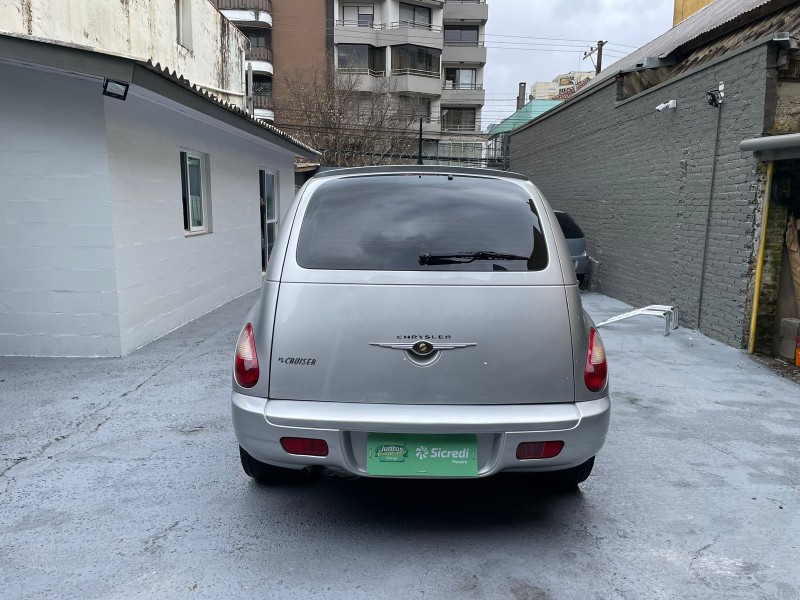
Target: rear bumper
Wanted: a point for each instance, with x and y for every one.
(260, 423)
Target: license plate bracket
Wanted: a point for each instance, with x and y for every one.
(422, 455)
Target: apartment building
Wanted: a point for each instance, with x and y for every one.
(254, 19)
(431, 53)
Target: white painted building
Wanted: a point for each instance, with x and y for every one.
(123, 219)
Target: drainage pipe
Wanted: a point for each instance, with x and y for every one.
(751, 343)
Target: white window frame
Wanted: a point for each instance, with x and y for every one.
(262, 184)
(183, 22)
(205, 197)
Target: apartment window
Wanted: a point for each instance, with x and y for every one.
(194, 191)
(269, 214)
(415, 60)
(416, 108)
(412, 15)
(458, 119)
(459, 79)
(358, 15)
(183, 21)
(460, 36)
(259, 37)
(262, 85)
(362, 58)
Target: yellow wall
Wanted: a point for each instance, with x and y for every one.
(686, 8)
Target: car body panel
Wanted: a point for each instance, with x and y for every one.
(336, 325)
(260, 424)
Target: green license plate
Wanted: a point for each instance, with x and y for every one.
(421, 455)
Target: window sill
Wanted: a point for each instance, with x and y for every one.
(189, 234)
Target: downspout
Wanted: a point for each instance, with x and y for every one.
(751, 343)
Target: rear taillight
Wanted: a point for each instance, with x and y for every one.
(246, 363)
(305, 446)
(529, 450)
(596, 374)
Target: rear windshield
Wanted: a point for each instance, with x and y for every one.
(419, 222)
(568, 226)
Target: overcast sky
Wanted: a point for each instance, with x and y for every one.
(514, 59)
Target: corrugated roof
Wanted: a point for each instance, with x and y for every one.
(714, 20)
(200, 91)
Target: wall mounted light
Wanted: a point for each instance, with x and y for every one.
(115, 89)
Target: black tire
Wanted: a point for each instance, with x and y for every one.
(266, 474)
(581, 280)
(570, 478)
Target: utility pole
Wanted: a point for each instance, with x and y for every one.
(419, 151)
(599, 49)
(599, 67)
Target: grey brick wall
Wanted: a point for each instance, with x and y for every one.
(638, 182)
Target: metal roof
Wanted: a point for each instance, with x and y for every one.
(711, 22)
(80, 59)
(200, 91)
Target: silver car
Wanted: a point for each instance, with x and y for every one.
(420, 322)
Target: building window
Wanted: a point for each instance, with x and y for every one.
(458, 119)
(460, 36)
(195, 192)
(415, 60)
(183, 21)
(416, 108)
(412, 15)
(362, 58)
(358, 15)
(260, 37)
(269, 214)
(459, 79)
(262, 85)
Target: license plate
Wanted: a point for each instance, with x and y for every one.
(422, 455)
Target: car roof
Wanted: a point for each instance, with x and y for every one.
(388, 169)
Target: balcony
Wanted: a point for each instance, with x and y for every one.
(418, 82)
(253, 13)
(259, 53)
(259, 5)
(474, 54)
(407, 32)
(354, 32)
(463, 94)
(263, 101)
(470, 11)
(364, 80)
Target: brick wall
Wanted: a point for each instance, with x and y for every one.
(638, 182)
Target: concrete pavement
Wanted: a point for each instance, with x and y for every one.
(120, 478)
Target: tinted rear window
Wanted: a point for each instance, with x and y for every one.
(384, 223)
(568, 226)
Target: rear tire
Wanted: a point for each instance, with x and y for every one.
(570, 478)
(581, 280)
(267, 474)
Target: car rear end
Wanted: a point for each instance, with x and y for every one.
(416, 322)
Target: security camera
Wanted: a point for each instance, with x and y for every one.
(665, 105)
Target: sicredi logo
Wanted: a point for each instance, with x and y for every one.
(423, 453)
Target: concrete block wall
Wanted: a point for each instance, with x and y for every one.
(58, 288)
(166, 278)
(638, 182)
